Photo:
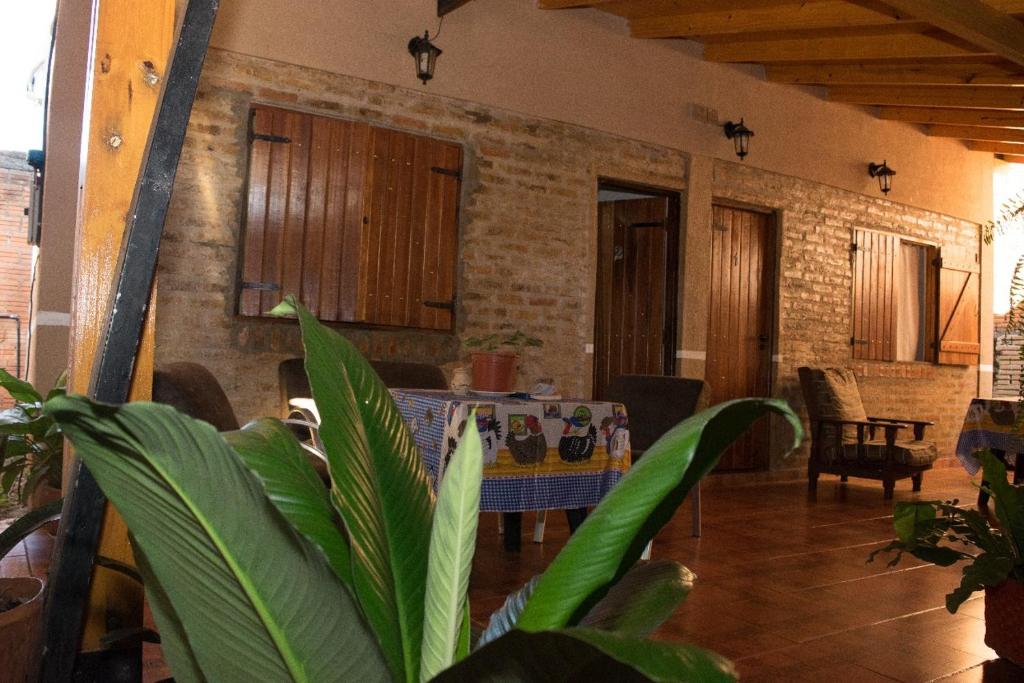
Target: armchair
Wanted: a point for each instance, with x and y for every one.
(847, 442)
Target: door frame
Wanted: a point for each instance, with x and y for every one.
(673, 274)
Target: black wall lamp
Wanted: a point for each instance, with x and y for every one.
(740, 136)
(884, 175)
(425, 53)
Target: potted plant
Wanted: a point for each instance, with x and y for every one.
(494, 359)
(31, 444)
(944, 534)
(286, 579)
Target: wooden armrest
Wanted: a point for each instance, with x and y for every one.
(926, 423)
(856, 423)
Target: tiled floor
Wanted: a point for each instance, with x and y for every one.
(783, 588)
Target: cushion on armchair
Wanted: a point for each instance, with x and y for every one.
(906, 452)
(832, 394)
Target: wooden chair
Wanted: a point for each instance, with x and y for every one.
(844, 439)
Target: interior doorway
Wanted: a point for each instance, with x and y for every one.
(741, 322)
(637, 282)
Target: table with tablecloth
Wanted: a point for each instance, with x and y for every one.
(990, 423)
(538, 454)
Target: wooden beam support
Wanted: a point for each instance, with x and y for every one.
(448, 6)
(974, 97)
(997, 147)
(1011, 158)
(972, 20)
(978, 73)
(570, 4)
(958, 117)
(977, 133)
(864, 48)
(797, 16)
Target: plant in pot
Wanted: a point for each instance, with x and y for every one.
(494, 359)
(943, 533)
(31, 444)
(367, 579)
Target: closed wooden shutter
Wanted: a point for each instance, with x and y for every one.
(958, 316)
(874, 260)
(359, 222)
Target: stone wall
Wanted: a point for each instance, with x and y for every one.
(15, 257)
(527, 245)
(1008, 363)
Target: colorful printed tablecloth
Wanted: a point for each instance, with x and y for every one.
(990, 423)
(537, 455)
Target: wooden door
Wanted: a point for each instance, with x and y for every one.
(740, 324)
(635, 317)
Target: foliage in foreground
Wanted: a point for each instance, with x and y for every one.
(31, 445)
(256, 571)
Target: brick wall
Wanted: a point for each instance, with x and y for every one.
(15, 257)
(527, 243)
(1008, 364)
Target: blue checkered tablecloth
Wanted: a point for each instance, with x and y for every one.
(538, 455)
(990, 423)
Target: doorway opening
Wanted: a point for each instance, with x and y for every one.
(637, 282)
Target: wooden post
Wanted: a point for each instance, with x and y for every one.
(131, 44)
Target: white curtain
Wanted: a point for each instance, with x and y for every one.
(911, 285)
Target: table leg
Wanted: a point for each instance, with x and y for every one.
(575, 518)
(513, 530)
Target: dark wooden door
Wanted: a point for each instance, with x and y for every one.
(740, 321)
(635, 315)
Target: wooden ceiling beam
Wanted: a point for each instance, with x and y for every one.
(996, 147)
(570, 4)
(977, 133)
(979, 97)
(972, 20)
(866, 48)
(957, 117)
(797, 16)
(866, 74)
(1011, 158)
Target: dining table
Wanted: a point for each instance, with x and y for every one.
(994, 424)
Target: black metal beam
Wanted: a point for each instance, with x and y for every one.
(82, 518)
(446, 6)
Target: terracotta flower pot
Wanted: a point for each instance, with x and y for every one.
(20, 627)
(493, 370)
(1004, 614)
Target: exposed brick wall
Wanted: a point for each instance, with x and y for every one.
(1008, 365)
(815, 296)
(527, 244)
(15, 257)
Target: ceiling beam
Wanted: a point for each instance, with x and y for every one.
(1011, 158)
(447, 6)
(980, 97)
(996, 147)
(797, 16)
(977, 133)
(923, 74)
(853, 48)
(972, 20)
(957, 117)
(569, 4)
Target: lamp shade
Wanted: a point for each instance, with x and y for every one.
(425, 53)
(740, 136)
(884, 175)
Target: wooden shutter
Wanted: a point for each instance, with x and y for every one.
(958, 316)
(874, 262)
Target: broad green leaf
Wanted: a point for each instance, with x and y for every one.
(505, 617)
(20, 390)
(1008, 499)
(380, 487)
(256, 600)
(985, 570)
(452, 544)
(270, 450)
(27, 523)
(612, 538)
(586, 655)
(642, 600)
(909, 518)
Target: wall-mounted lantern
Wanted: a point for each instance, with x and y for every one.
(425, 53)
(740, 136)
(884, 175)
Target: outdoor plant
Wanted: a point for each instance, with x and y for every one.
(492, 342)
(1011, 216)
(31, 444)
(944, 534)
(255, 571)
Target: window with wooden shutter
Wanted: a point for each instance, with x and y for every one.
(359, 222)
(959, 290)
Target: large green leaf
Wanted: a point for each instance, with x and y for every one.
(452, 544)
(20, 391)
(27, 523)
(612, 538)
(1009, 503)
(275, 456)
(381, 489)
(912, 520)
(505, 617)
(985, 570)
(642, 600)
(586, 655)
(256, 600)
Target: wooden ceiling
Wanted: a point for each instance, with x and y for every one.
(956, 67)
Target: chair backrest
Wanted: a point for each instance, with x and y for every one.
(292, 382)
(401, 375)
(655, 404)
(832, 394)
(193, 390)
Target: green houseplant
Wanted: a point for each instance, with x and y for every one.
(494, 359)
(944, 534)
(31, 444)
(256, 571)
